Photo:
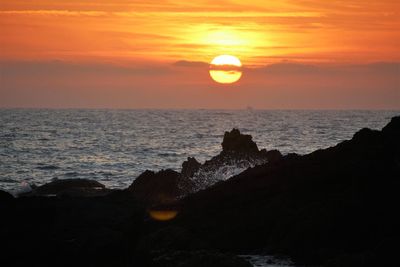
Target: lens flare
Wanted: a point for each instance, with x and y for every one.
(163, 215)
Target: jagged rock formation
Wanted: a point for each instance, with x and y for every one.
(236, 143)
(333, 207)
(239, 152)
(190, 167)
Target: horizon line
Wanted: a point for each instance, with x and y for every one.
(249, 108)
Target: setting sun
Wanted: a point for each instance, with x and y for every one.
(225, 69)
(226, 60)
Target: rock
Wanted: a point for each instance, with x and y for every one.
(69, 187)
(235, 142)
(391, 133)
(71, 231)
(200, 258)
(393, 127)
(351, 260)
(190, 167)
(5, 196)
(237, 147)
(273, 155)
(314, 208)
(385, 253)
(239, 152)
(169, 237)
(157, 188)
(24, 189)
(366, 135)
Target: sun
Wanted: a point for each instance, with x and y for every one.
(226, 60)
(225, 69)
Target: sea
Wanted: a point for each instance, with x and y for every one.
(115, 146)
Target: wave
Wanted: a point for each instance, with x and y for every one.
(7, 180)
(266, 261)
(47, 167)
(206, 177)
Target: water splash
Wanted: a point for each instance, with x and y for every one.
(267, 261)
(206, 177)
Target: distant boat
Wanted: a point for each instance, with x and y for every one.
(250, 108)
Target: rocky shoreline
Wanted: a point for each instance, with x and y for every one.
(333, 207)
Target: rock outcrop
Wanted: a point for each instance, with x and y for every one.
(236, 143)
(5, 196)
(199, 258)
(273, 156)
(69, 187)
(190, 167)
(334, 206)
(156, 187)
(239, 152)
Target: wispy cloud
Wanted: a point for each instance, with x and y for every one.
(308, 30)
(188, 13)
(55, 12)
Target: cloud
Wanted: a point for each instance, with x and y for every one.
(191, 64)
(56, 12)
(57, 67)
(294, 68)
(288, 68)
(168, 30)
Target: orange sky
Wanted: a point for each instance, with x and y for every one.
(123, 53)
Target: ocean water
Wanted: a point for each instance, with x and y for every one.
(115, 146)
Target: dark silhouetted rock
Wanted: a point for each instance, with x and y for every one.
(391, 133)
(70, 187)
(367, 136)
(199, 258)
(5, 196)
(273, 155)
(235, 142)
(71, 231)
(190, 167)
(160, 187)
(393, 127)
(333, 206)
(239, 152)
